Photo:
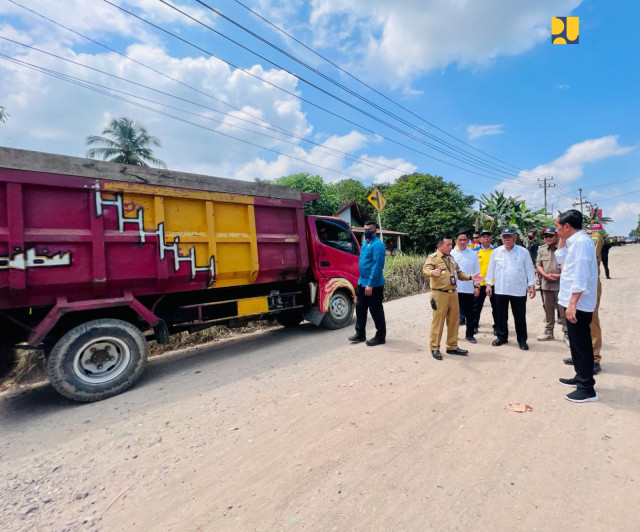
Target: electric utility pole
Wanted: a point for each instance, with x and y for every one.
(580, 202)
(545, 186)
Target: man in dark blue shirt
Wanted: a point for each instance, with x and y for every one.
(370, 289)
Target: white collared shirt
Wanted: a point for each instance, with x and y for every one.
(510, 272)
(468, 262)
(579, 272)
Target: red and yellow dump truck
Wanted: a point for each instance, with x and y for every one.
(96, 258)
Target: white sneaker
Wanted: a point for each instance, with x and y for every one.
(544, 337)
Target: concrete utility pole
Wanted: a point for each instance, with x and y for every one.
(580, 202)
(545, 186)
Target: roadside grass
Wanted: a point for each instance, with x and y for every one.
(403, 276)
(402, 273)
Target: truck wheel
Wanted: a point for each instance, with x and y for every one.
(97, 359)
(290, 318)
(340, 311)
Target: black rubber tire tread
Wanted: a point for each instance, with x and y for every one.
(60, 362)
(331, 322)
(290, 318)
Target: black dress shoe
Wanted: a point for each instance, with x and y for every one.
(375, 341)
(523, 346)
(596, 369)
(471, 339)
(498, 342)
(457, 351)
(355, 338)
(568, 361)
(436, 354)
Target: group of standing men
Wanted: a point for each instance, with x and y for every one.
(461, 279)
(568, 275)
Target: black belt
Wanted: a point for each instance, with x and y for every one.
(441, 290)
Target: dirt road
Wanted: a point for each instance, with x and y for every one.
(296, 428)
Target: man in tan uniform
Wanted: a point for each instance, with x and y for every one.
(549, 273)
(596, 331)
(443, 273)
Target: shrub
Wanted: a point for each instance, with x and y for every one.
(403, 276)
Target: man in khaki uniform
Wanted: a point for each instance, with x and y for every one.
(596, 331)
(443, 273)
(549, 273)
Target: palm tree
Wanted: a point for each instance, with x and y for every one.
(3, 114)
(125, 142)
(498, 211)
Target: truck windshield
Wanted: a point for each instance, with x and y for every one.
(336, 235)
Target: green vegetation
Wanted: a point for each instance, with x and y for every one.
(125, 142)
(498, 211)
(403, 276)
(326, 205)
(425, 206)
(3, 114)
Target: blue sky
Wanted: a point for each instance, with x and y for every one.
(485, 74)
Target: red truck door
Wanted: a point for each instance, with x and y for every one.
(336, 249)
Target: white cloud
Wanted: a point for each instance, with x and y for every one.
(475, 130)
(396, 42)
(565, 170)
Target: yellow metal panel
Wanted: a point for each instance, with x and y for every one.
(213, 224)
(256, 305)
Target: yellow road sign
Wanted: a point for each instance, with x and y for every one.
(376, 199)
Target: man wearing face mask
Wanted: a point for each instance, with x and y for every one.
(370, 289)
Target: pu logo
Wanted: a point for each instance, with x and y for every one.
(565, 30)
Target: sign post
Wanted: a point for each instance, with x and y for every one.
(377, 200)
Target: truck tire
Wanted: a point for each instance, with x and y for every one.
(340, 311)
(290, 318)
(97, 359)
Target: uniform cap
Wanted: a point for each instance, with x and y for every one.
(549, 231)
(508, 231)
(485, 232)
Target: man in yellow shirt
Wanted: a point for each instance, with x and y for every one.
(484, 255)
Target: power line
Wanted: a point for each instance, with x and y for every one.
(341, 117)
(462, 157)
(478, 160)
(102, 89)
(372, 88)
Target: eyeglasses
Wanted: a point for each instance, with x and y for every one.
(549, 235)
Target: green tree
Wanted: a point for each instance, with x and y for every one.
(326, 205)
(636, 231)
(497, 211)
(425, 206)
(126, 142)
(352, 189)
(3, 114)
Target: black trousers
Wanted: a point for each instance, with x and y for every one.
(479, 302)
(373, 304)
(466, 308)
(519, 311)
(582, 350)
(605, 263)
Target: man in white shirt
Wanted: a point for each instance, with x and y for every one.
(467, 290)
(578, 295)
(510, 276)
